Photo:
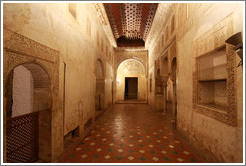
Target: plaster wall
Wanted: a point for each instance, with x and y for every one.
(80, 42)
(22, 91)
(151, 93)
(218, 141)
(108, 85)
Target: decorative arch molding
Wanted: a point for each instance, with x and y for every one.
(133, 58)
(174, 65)
(16, 61)
(20, 50)
(100, 75)
(100, 63)
(131, 68)
(140, 55)
(127, 59)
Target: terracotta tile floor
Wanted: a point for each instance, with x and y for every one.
(131, 133)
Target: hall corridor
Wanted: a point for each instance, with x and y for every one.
(90, 82)
(131, 133)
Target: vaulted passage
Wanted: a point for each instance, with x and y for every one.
(122, 82)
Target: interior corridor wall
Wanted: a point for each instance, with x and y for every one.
(151, 86)
(216, 140)
(108, 86)
(22, 91)
(77, 33)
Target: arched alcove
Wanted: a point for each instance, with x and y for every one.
(28, 111)
(100, 86)
(164, 66)
(164, 73)
(174, 92)
(174, 68)
(127, 71)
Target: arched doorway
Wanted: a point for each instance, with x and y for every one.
(28, 114)
(131, 81)
(100, 86)
(174, 96)
(164, 71)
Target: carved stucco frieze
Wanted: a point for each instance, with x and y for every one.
(101, 13)
(194, 18)
(157, 25)
(19, 49)
(123, 55)
(215, 37)
(20, 43)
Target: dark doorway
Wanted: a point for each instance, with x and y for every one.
(131, 88)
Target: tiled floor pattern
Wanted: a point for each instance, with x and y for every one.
(131, 133)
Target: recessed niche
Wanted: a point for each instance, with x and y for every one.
(71, 138)
(212, 80)
(212, 66)
(213, 94)
(88, 127)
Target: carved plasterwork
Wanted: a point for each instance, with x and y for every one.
(185, 23)
(19, 49)
(214, 37)
(101, 13)
(131, 49)
(123, 55)
(157, 25)
(210, 41)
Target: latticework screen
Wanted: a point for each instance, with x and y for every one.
(22, 138)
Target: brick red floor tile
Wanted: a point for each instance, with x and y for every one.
(131, 133)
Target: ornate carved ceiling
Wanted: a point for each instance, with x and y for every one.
(130, 22)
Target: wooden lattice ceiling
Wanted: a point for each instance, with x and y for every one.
(130, 22)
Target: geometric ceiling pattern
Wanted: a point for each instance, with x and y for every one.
(130, 22)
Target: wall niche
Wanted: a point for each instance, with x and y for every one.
(214, 87)
(212, 80)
